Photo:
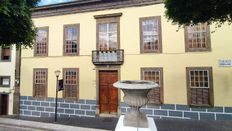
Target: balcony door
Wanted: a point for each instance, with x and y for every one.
(108, 95)
(3, 104)
(107, 36)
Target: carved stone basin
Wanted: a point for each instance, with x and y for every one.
(135, 95)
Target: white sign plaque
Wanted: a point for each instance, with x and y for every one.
(6, 81)
(225, 63)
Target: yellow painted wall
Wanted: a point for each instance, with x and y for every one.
(174, 60)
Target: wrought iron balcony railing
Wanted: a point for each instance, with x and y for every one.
(108, 57)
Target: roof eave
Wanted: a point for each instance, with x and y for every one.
(59, 5)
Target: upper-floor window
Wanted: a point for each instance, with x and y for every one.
(40, 83)
(155, 96)
(41, 45)
(150, 35)
(5, 54)
(4, 81)
(197, 38)
(71, 89)
(199, 86)
(108, 31)
(71, 39)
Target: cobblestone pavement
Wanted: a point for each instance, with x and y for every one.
(162, 124)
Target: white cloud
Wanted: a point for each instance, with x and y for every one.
(48, 2)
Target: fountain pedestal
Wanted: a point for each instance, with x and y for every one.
(121, 127)
(135, 95)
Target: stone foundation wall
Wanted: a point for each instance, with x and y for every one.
(46, 108)
(177, 111)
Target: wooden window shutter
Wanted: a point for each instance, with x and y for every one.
(200, 96)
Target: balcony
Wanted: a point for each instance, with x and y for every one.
(108, 57)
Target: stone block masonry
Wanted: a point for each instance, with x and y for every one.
(30, 106)
(176, 111)
(45, 108)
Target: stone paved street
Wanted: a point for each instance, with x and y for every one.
(193, 125)
(4, 127)
(110, 124)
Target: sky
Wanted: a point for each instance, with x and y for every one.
(49, 2)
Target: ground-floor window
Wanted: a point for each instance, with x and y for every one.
(199, 86)
(71, 83)
(155, 96)
(40, 83)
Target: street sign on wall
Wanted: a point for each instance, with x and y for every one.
(225, 62)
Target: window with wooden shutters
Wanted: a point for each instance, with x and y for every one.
(71, 39)
(41, 46)
(155, 96)
(108, 33)
(5, 54)
(40, 83)
(200, 86)
(197, 38)
(150, 35)
(71, 83)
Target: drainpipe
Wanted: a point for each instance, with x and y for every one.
(16, 106)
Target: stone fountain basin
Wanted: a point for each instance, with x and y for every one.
(135, 84)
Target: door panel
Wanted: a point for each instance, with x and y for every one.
(113, 93)
(108, 95)
(3, 104)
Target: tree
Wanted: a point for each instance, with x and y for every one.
(187, 12)
(16, 26)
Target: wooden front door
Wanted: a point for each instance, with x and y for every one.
(3, 104)
(108, 95)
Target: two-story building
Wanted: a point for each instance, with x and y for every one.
(95, 43)
(7, 79)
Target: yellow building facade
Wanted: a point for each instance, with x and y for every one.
(172, 60)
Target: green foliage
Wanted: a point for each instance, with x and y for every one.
(16, 26)
(187, 12)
